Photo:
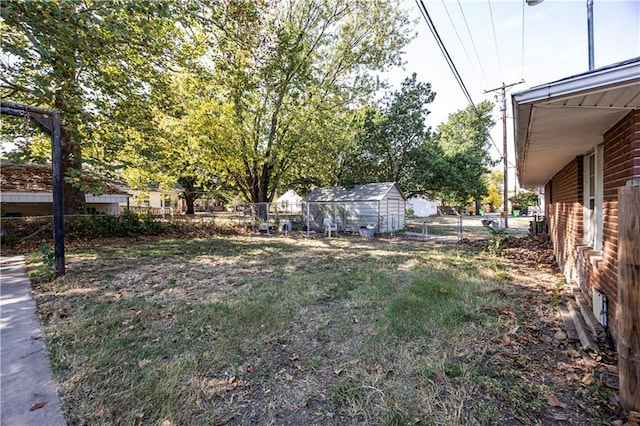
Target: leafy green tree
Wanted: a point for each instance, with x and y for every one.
(464, 140)
(285, 81)
(96, 63)
(387, 146)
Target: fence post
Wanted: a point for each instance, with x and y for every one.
(308, 218)
(628, 306)
(459, 228)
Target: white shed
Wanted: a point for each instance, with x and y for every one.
(422, 206)
(289, 202)
(381, 204)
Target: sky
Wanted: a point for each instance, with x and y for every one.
(492, 42)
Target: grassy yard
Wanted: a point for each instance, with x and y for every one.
(272, 330)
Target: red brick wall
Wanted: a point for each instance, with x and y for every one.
(621, 162)
(564, 207)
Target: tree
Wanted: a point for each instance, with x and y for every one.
(179, 148)
(495, 185)
(95, 64)
(386, 149)
(286, 78)
(464, 142)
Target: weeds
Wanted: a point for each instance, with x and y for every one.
(495, 242)
(46, 269)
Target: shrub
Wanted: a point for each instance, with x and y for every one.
(126, 225)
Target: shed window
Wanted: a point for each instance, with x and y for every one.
(593, 199)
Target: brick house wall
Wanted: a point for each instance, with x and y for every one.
(588, 268)
(564, 210)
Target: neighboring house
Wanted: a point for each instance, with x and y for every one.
(579, 138)
(154, 201)
(380, 204)
(289, 202)
(27, 190)
(422, 206)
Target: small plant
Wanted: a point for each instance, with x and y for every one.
(495, 243)
(557, 291)
(48, 270)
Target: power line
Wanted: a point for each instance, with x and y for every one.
(443, 49)
(495, 40)
(455, 29)
(473, 43)
(454, 70)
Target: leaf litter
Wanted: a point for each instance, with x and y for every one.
(316, 368)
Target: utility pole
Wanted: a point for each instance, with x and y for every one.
(503, 107)
(589, 27)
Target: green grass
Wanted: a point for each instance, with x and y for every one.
(255, 329)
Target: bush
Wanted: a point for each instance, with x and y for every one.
(126, 225)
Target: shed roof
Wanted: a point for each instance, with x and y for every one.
(366, 192)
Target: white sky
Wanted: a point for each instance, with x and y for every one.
(555, 47)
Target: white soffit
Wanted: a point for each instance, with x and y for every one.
(556, 122)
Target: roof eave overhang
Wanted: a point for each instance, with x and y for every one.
(558, 121)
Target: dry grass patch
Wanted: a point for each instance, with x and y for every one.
(258, 330)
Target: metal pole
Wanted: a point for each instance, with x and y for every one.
(50, 121)
(589, 27)
(590, 32)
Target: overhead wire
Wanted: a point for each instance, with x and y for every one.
(443, 49)
(473, 44)
(455, 29)
(495, 40)
(425, 15)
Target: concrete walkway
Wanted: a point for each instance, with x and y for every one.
(26, 380)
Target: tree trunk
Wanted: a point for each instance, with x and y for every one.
(73, 198)
(67, 101)
(190, 199)
(189, 193)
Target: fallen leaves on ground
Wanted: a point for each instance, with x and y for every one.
(555, 402)
(37, 405)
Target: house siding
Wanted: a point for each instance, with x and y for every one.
(590, 269)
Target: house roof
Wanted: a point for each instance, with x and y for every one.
(290, 195)
(30, 177)
(557, 121)
(366, 192)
